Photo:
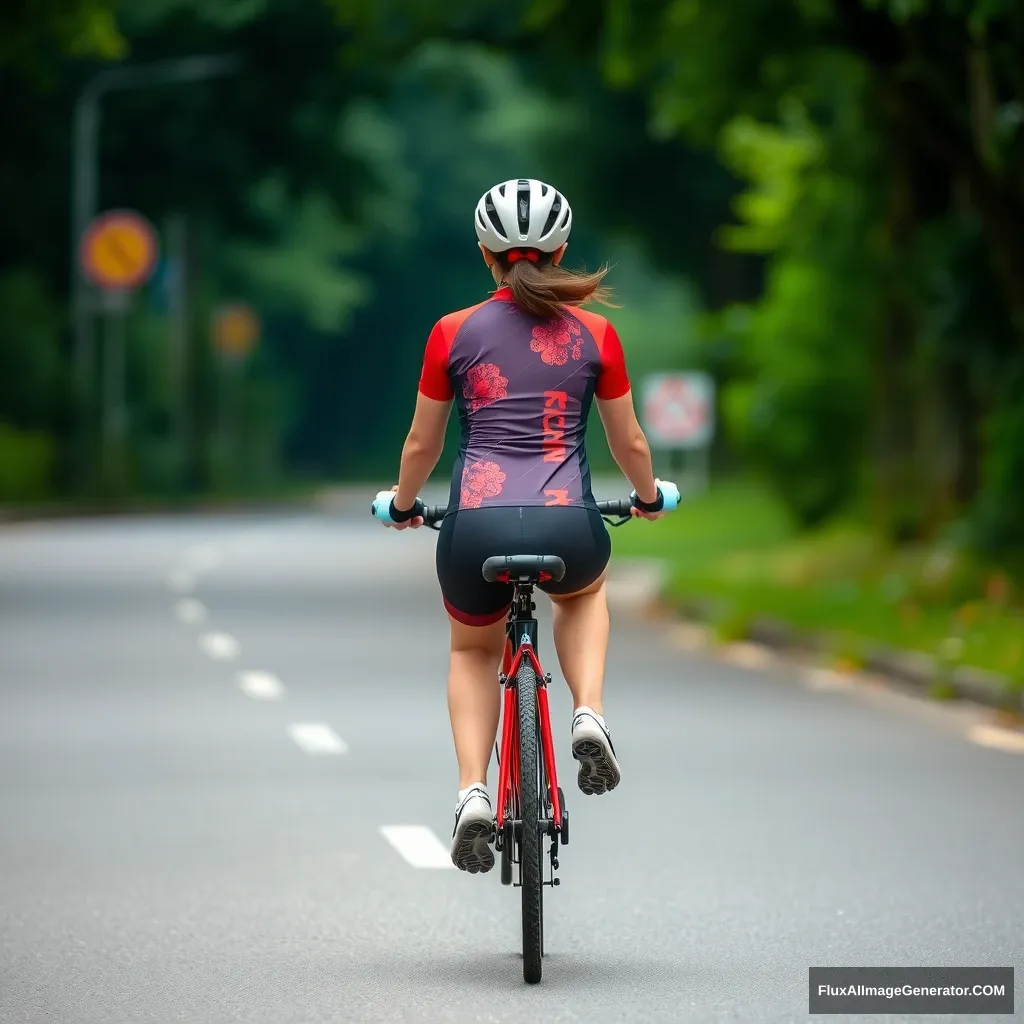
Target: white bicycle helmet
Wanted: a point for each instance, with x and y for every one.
(522, 214)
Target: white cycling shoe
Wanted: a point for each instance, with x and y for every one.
(471, 837)
(592, 747)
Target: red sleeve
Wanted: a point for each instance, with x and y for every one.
(434, 382)
(613, 381)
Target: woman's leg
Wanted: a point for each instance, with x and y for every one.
(581, 641)
(474, 696)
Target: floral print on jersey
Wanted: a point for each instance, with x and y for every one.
(484, 384)
(480, 480)
(558, 341)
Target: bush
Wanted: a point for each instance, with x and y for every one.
(26, 465)
(29, 351)
(804, 435)
(999, 509)
(947, 577)
(731, 624)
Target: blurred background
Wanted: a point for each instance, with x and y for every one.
(819, 204)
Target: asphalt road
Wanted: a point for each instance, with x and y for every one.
(209, 728)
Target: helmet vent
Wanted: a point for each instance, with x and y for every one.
(492, 216)
(549, 224)
(523, 207)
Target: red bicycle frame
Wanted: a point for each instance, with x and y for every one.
(508, 758)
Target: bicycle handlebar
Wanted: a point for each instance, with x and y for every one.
(433, 514)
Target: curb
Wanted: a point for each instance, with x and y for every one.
(913, 671)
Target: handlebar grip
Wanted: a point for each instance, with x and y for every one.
(671, 495)
(381, 507)
(615, 507)
(434, 513)
(624, 506)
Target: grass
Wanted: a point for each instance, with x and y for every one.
(735, 551)
(732, 517)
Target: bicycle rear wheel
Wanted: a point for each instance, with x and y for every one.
(530, 850)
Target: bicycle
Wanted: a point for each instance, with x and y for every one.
(530, 805)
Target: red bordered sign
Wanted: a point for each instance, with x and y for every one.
(119, 250)
(679, 410)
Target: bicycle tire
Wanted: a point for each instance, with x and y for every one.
(530, 850)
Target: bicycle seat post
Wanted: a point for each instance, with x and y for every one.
(523, 604)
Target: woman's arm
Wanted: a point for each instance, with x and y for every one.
(628, 445)
(422, 448)
(615, 404)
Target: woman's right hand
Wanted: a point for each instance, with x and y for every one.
(638, 514)
(669, 500)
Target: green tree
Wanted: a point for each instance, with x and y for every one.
(35, 37)
(887, 79)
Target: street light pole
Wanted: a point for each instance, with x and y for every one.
(85, 180)
(83, 206)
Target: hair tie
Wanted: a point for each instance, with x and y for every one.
(518, 254)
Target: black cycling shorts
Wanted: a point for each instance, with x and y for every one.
(575, 534)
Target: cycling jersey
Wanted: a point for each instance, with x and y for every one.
(524, 388)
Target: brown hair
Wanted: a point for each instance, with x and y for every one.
(544, 289)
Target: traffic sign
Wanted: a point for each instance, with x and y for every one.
(679, 410)
(236, 328)
(118, 250)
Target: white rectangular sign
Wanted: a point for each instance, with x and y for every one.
(678, 410)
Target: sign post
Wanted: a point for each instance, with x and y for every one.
(177, 297)
(85, 174)
(236, 331)
(678, 416)
(117, 254)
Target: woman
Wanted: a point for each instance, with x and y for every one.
(523, 367)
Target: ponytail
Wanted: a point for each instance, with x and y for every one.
(544, 289)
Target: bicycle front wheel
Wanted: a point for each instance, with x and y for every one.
(530, 852)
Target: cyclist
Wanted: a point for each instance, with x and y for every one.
(523, 367)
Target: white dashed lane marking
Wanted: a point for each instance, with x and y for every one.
(997, 739)
(317, 738)
(190, 610)
(203, 557)
(219, 646)
(260, 685)
(418, 846)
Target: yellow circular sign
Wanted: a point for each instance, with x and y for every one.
(119, 250)
(235, 328)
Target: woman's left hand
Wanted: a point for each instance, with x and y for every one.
(415, 522)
